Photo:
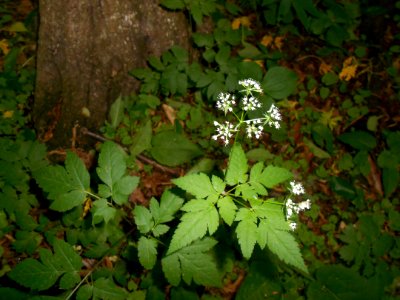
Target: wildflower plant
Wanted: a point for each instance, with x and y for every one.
(241, 198)
(248, 102)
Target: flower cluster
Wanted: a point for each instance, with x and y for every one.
(293, 208)
(253, 127)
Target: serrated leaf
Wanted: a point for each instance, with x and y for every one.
(160, 230)
(227, 209)
(218, 184)
(199, 185)
(246, 231)
(143, 219)
(42, 275)
(284, 245)
(116, 112)
(272, 176)
(169, 205)
(173, 4)
(102, 211)
(237, 166)
(192, 263)
(279, 82)
(112, 165)
(147, 252)
(67, 187)
(105, 288)
(202, 216)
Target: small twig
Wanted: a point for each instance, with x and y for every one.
(140, 157)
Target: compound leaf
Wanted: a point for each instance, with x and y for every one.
(147, 251)
(169, 205)
(143, 219)
(237, 166)
(105, 288)
(201, 216)
(102, 211)
(123, 188)
(199, 185)
(193, 262)
(112, 164)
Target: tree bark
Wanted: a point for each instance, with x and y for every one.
(85, 50)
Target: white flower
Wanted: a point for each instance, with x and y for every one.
(252, 128)
(297, 188)
(224, 131)
(293, 225)
(250, 103)
(251, 85)
(305, 205)
(272, 117)
(225, 102)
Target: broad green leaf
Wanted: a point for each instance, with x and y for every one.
(359, 139)
(142, 139)
(283, 244)
(147, 251)
(201, 216)
(160, 229)
(102, 211)
(192, 263)
(237, 166)
(227, 209)
(390, 178)
(68, 201)
(42, 275)
(218, 184)
(123, 188)
(272, 176)
(105, 288)
(53, 180)
(116, 112)
(27, 241)
(173, 149)
(77, 172)
(169, 205)
(199, 185)
(246, 231)
(279, 82)
(143, 219)
(112, 165)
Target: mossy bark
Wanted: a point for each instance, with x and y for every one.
(85, 50)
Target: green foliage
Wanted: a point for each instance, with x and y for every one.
(64, 263)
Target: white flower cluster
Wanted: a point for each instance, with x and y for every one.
(224, 131)
(273, 116)
(251, 85)
(293, 208)
(254, 127)
(226, 102)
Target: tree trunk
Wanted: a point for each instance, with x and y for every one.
(85, 50)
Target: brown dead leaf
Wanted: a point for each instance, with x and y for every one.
(244, 21)
(349, 69)
(169, 112)
(267, 40)
(278, 42)
(324, 68)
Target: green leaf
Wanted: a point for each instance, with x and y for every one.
(172, 149)
(199, 185)
(123, 188)
(102, 211)
(390, 179)
(67, 187)
(237, 166)
(279, 82)
(169, 205)
(160, 230)
(43, 275)
(201, 216)
(284, 245)
(246, 231)
(117, 112)
(27, 241)
(142, 139)
(112, 164)
(358, 139)
(192, 263)
(272, 176)
(227, 209)
(173, 4)
(147, 251)
(143, 219)
(105, 288)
